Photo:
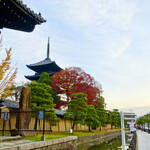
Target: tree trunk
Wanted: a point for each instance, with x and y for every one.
(35, 125)
(100, 128)
(89, 129)
(39, 125)
(50, 127)
(73, 125)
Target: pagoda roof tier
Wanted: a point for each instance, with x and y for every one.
(45, 66)
(37, 76)
(16, 15)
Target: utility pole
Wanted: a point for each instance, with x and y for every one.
(123, 131)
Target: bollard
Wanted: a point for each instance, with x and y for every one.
(43, 138)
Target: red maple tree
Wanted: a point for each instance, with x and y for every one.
(75, 80)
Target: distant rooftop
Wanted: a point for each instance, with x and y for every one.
(15, 105)
(9, 103)
(129, 113)
(60, 112)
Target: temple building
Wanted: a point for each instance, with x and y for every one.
(16, 15)
(45, 65)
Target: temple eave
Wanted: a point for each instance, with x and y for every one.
(41, 67)
(32, 78)
(37, 76)
(45, 65)
(16, 15)
(19, 27)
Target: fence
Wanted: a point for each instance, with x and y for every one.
(16, 121)
(32, 122)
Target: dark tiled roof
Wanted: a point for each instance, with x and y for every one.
(16, 15)
(37, 76)
(2, 104)
(43, 62)
(60, 112)
(10, 103)
(14, 105)
(29, 11)
(45, 66)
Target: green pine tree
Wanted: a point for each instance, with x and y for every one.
(41, 99)
(92, 119)
(116, 120)
(108, 117)
(76, 109)
(101, 112)
(45, 78)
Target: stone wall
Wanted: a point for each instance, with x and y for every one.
(87, 141)
(68, 143)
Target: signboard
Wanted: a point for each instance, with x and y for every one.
(132, 125)
(40, 114)
(5, 116)
(132, 129)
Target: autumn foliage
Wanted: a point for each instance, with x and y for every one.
(7, 75)
(75, 80)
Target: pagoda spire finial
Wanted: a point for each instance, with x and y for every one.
(48, 48)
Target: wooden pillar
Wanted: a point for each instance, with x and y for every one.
(80, 126)
(65, 124)
(4, 124)
(58, 125)
(71, 123)
(9, 124)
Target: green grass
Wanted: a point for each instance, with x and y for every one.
(38, 138)
(62, 134)
(5, 134)
(81, 133)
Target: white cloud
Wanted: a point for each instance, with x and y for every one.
(117, 47)
(91, 34)
(117, 13)
(94, 19)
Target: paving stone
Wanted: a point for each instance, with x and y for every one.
(13, 144)
(9, 138)
(143, 140)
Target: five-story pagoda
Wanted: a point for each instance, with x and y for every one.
(45, 65)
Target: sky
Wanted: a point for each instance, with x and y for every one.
(110, 40)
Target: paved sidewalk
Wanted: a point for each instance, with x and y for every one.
(8, 142)
(143, 140)
(11, 144)
(9, 138)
